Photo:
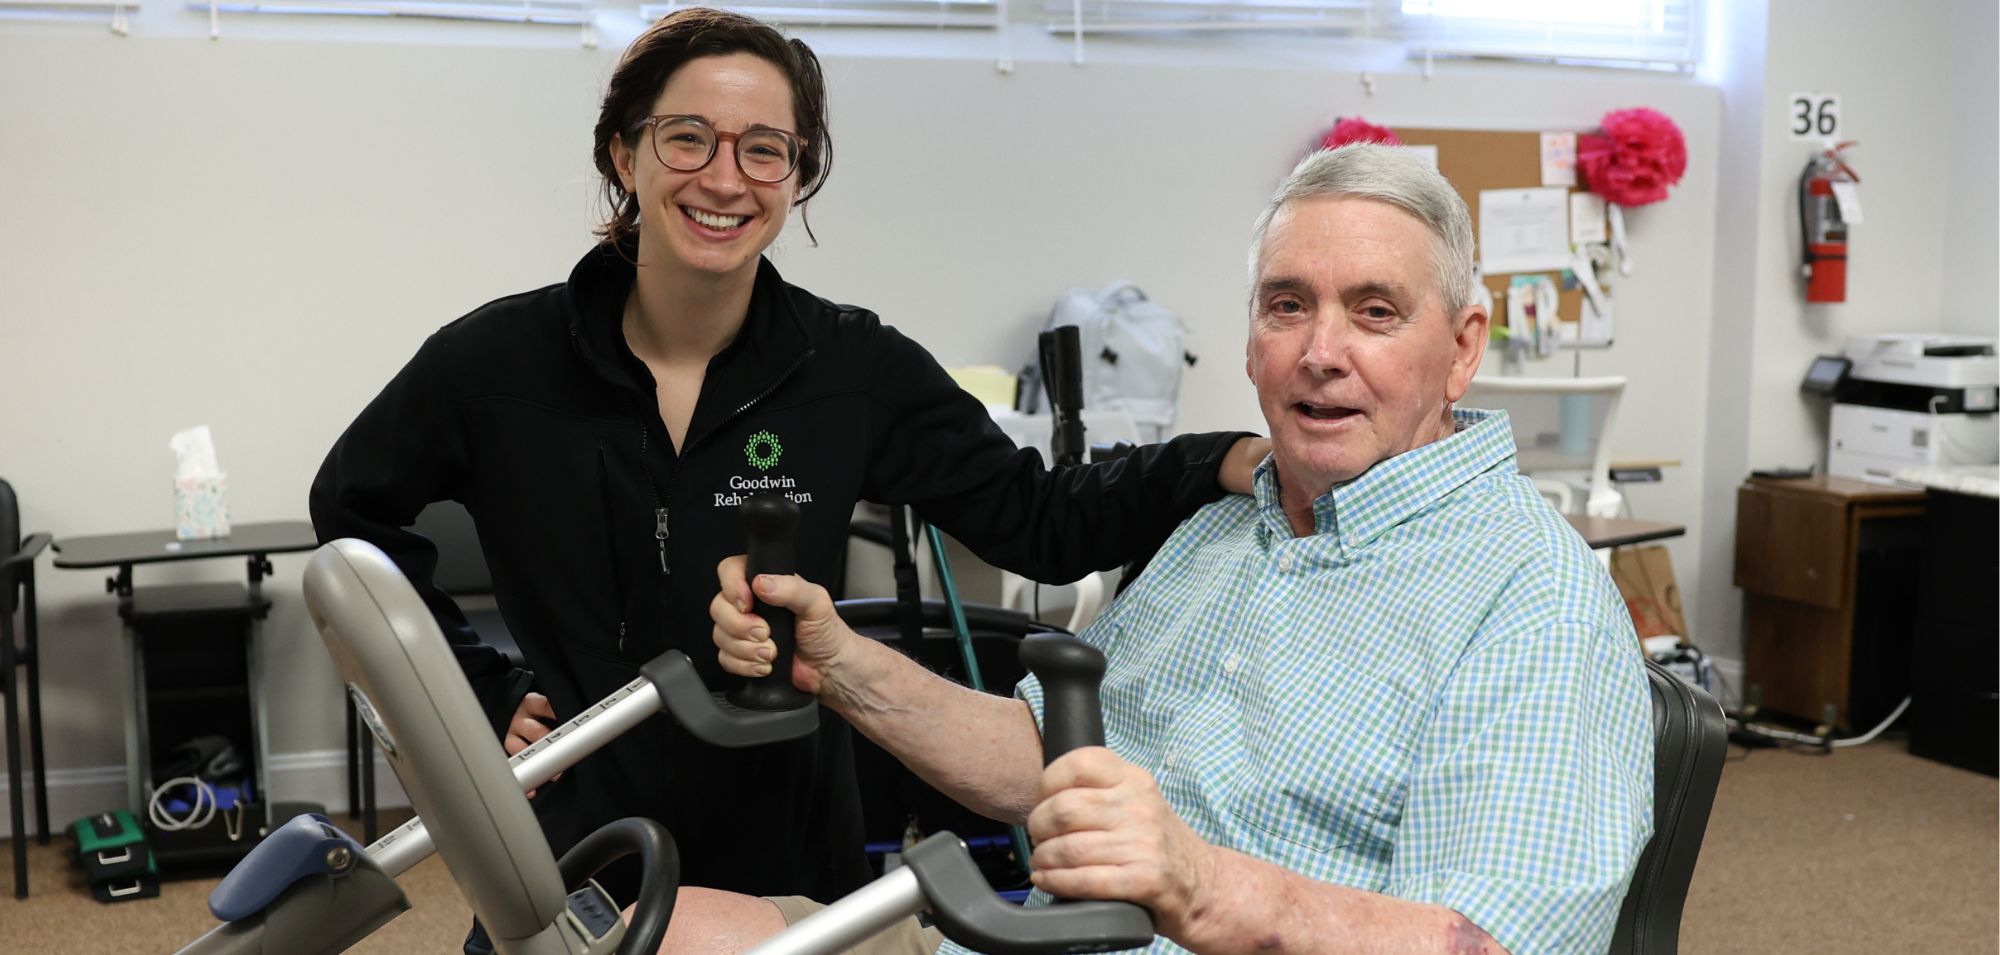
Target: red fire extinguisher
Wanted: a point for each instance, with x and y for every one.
(1824, 230)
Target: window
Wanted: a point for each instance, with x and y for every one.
(1080, 18)
(923, 14)
(1202, 16)
(1659, 33)
(573, 13)
(112, 11)
(914, 14)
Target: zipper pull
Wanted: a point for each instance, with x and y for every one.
(660, 534)
(621, 636)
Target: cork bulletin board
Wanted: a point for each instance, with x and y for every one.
(1477, 160)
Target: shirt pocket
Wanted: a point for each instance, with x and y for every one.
(1326, 754)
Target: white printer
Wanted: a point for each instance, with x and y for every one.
(1914, 400)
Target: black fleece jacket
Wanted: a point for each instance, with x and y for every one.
(602, 537)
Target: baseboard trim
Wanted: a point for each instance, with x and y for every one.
(316, 776)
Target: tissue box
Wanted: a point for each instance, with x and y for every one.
(200, 508)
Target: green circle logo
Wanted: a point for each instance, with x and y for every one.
(763, 450)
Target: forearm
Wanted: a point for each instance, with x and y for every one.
(1101, 516)
(1057, 525)
(1251, 906)
(981, 750)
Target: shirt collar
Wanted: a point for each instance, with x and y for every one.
(772, 336)
(1395, 489)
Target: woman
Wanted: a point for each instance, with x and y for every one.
(602, 432)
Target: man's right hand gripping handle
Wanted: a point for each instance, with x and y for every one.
(964, 907)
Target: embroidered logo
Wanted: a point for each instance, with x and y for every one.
(763, 450)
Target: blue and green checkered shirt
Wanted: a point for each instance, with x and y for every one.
(1437, 696)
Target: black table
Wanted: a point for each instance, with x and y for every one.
(1954, 694)
(207, 669)
(124, 551)
(1603, 532)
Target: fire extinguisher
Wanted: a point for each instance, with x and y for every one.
(1824, 231)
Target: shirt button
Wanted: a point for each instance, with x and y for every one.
(1285, 564)
(1230, 663)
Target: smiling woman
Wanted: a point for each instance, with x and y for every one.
(697, 215)
(603, 430)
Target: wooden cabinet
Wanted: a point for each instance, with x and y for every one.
(1829, 569)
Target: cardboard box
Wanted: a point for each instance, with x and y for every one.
(1645, 576)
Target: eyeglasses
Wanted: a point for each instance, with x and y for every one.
(687, 143)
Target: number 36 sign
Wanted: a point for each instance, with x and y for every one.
(1813, 116)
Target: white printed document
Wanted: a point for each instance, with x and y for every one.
(1523, 230)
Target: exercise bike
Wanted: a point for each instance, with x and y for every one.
(311, 888)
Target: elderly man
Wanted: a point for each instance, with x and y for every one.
(1389, 704)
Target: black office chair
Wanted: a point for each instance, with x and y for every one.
(17, 591)
(1689, 738)
(892, 797)
(461, 572)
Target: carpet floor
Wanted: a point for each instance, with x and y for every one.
(1867, 850)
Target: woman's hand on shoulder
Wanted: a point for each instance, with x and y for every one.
(1239, 466)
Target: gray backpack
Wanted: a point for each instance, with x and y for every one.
(1132, 354)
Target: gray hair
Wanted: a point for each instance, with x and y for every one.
(1385, 174)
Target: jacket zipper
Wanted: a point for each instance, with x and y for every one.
(660, 533)
(660, 515)
(659, 509)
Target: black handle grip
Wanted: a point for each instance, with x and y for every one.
(1073, 715)
(770, 523)
(970, 914)
(711, 717)
(1070, 671)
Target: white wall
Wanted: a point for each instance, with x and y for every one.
(1888, 63)
(1918, 93)
(255, 233)
(1972, 214)
(1735, 63)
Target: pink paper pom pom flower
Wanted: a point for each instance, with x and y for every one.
(1639, 153)
(1354, 129)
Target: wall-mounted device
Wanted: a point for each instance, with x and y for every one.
(1827, 374)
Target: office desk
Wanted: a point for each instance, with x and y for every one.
(207, 673)
(1828, 568)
